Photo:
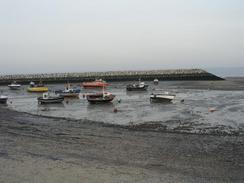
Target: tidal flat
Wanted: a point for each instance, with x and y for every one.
(49, 148)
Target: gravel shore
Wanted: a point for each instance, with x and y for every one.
(43, 149)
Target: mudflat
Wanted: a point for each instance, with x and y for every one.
(45, 149)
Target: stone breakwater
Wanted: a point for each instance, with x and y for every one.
(179, 74)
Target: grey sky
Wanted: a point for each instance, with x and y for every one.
(99, 35)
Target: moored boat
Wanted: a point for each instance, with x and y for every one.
(141, 86)
(161, 97)
(95, 84)
(69, 92)
(103, 97)
(3, 99)
(48, 98)
(14, 86)
(37, 88)
(155, 81)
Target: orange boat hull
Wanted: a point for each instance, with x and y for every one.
(94, 84)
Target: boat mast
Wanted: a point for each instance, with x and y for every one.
(103, 91)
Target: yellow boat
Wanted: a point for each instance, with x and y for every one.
(37, 89)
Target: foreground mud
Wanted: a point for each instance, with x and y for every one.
(40, 149)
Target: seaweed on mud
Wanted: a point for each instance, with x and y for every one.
(171, 126)
(148, 126)
(55, 158)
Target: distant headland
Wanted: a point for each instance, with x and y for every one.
(177, 74)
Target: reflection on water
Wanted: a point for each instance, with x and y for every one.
(135, 107)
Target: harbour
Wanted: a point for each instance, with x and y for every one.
(121, 91)
(188, 112)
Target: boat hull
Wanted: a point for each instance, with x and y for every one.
(3, 100)
(55, 100)
(97, 98)
(95, 84)
(14, 87)
(161, 98)
(37, 89)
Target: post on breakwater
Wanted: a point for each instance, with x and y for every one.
(179, 74)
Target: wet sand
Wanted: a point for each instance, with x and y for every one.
(44, 149)
(191, 116)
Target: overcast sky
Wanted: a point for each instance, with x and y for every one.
(40, 36)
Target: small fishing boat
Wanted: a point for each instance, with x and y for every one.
(69, 92)
(3, 99)
(14, 86)
(161, 97)
(155, 81)
(37, 88)
(95, 84)
(48, 98)
(103, 97)
(141, 86)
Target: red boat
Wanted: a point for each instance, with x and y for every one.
(95, 84)
(102, 97)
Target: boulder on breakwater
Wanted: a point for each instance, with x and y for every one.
(178, 74)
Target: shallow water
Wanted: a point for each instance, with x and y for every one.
(135, 108)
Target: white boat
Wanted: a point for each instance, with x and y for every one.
(14, 86)
(161, 97)
(48, 98)
(3, 99)
(141, 86)
(155, 81)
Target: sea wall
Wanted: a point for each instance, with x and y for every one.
(179, 74)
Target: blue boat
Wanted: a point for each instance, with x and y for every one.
(68, 92)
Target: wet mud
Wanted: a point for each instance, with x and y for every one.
(202, 107)
(49, 149)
